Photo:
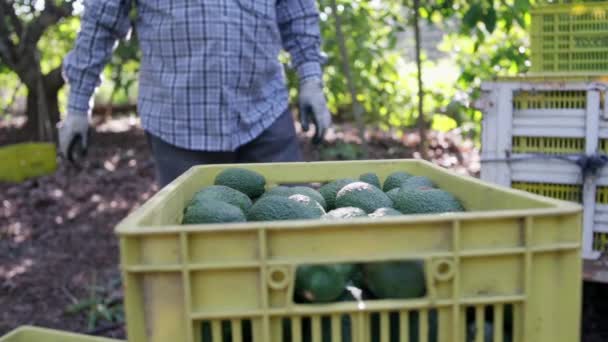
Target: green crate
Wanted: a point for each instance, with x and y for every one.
(34, 334)
(570, 37)
(191, 283)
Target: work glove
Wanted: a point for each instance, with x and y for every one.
(313, 108)
(73, 136)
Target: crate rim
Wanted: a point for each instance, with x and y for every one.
(130, 225)
(554, 77)
(30, 328)
(560, 8)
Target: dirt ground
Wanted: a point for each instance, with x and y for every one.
(58, 249)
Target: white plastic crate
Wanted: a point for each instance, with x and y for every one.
(535, 128)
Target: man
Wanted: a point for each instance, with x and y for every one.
(211, 88)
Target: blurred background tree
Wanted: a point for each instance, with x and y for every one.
(463, 42)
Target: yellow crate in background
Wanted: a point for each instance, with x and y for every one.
(510, 250)
(27, 160)
(565, 192)
(572, 193)
(33, 334)
(570, 36)
(548, 145)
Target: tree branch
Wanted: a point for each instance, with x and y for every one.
(50, 16)
(54, 79)
(421, 122)
(358, 110)
(9, 9)
(6, 54)
(7, 47)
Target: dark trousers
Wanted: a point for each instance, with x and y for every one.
(279, 143)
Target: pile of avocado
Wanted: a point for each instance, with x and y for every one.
(240, 195)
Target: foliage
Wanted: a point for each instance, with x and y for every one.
(490, 40)
(341, 151)
(484, 38)
(102, 305)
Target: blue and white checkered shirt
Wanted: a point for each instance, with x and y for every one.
(210, 78)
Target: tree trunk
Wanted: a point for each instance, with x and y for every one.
(43, 113)
(421, 122)
(37, 128)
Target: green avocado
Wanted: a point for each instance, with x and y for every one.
(330, 190)
(417, 182)
(344, 213)
(297, 190)
(425, 201)
(246, 181)
(363, 196)
(321, 283)
(212, 211)
(371, 178)
(394, 180)
(279, 208)
(395, 279)
(385, 212)
(309, 203)
(223, 194)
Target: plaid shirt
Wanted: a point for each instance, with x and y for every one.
(210, 78)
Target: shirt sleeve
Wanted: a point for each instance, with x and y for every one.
(299, 26)
(103, 23)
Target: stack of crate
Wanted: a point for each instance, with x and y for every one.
(538, 126)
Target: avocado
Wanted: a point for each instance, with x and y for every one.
(330, 190)
(344, 213)
(320, 283)
(223, 194)
(392, 194)
(246, 181)
(385, 212)
(308, 202)
(394, 180)
(212, 211)
(423, 201)
(417, 182)
(278, 208)
(297, 190)
(371, 178)
(395, 279)
(364, 196)
(280, 190)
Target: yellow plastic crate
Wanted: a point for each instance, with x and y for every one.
(565, 192)
(570, 37)
(511, 250)
(547, 145)
(572, 193)
(27, 160)
(33, 334)
(550, 99)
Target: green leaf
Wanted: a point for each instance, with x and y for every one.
(82, 305)
(489, 20)
(473, 16)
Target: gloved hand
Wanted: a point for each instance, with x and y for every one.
(313, 107)
(73, 136)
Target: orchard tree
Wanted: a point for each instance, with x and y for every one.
(23, 24)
